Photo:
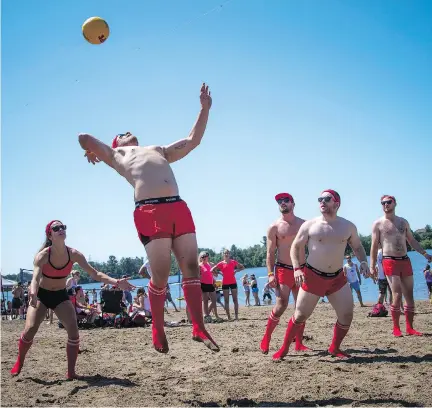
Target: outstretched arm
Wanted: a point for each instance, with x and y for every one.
(414, 244)
(99, 276)
(95, 147)
(181, 148)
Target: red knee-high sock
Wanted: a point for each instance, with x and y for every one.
(339, 333)
(157, 303)
(299, 339)
(409, 320)
(291, 331)
(395, 313)
(72, 349)
(272, 322)
(23, 346)
(193, 297)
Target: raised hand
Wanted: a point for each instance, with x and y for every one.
(205, 97)
(91, 157)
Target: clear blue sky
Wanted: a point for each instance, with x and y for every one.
(307, 95)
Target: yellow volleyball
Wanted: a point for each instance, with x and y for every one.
(95, 30)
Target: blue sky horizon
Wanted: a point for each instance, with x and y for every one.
(306, 96)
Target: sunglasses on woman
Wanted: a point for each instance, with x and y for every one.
(57, 228)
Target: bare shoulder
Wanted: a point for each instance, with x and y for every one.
(403, 220)
(377, 225)
(75, 253)
(307, 224)
(41, 257)
(313, 221)
(272, 229)
(300, 221)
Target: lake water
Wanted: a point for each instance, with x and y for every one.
(368, 289)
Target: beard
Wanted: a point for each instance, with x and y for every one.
(285, 210)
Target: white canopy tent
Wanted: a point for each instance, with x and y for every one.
(7, 283)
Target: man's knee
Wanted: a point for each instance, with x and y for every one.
(281, 304)
(300, 316)
(346, 316)
(193, 268)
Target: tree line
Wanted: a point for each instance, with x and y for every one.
(251, 257)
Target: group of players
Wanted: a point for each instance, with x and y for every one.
(164, 223)
(326, 238)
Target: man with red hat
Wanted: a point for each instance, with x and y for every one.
(393, 232)
(280, 236)
(162, 218)
(326, 237)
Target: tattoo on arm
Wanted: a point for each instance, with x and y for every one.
(181, 146)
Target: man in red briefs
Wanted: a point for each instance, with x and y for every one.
(162, 218)
(280, 236)
(392, 232)
(326, 237)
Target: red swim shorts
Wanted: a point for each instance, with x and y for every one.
(285, 275)
(397, 266)
(165, 217)
(322, 283)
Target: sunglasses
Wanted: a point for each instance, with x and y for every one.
(386, 202)
(123, 134)
(204, 256)
(57, 228)
(283, 200)
(326, 199)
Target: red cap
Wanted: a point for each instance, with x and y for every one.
(48, 227)
(335, 195)
(388, 196)
(115, 142)
(284, 195)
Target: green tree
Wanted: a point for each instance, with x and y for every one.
(112, 267)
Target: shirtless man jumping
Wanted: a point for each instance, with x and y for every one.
(392, 232)
(162, 218)
(280, 236)
(326, 237)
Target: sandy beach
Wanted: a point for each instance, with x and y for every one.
(120, 367)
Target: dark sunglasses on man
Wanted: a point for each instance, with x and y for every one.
(326, 199)
(386, 202)
(284, 200)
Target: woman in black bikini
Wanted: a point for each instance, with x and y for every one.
(48, 291)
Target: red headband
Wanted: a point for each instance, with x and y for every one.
(115, 142)
(335, 195)
(389, 196)
(48, 227)
(284, 195)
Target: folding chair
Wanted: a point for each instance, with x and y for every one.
(111, 302)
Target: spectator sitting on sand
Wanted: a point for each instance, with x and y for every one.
(141, 303)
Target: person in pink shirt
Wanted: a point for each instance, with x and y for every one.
(228, 268)
(207, 286)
